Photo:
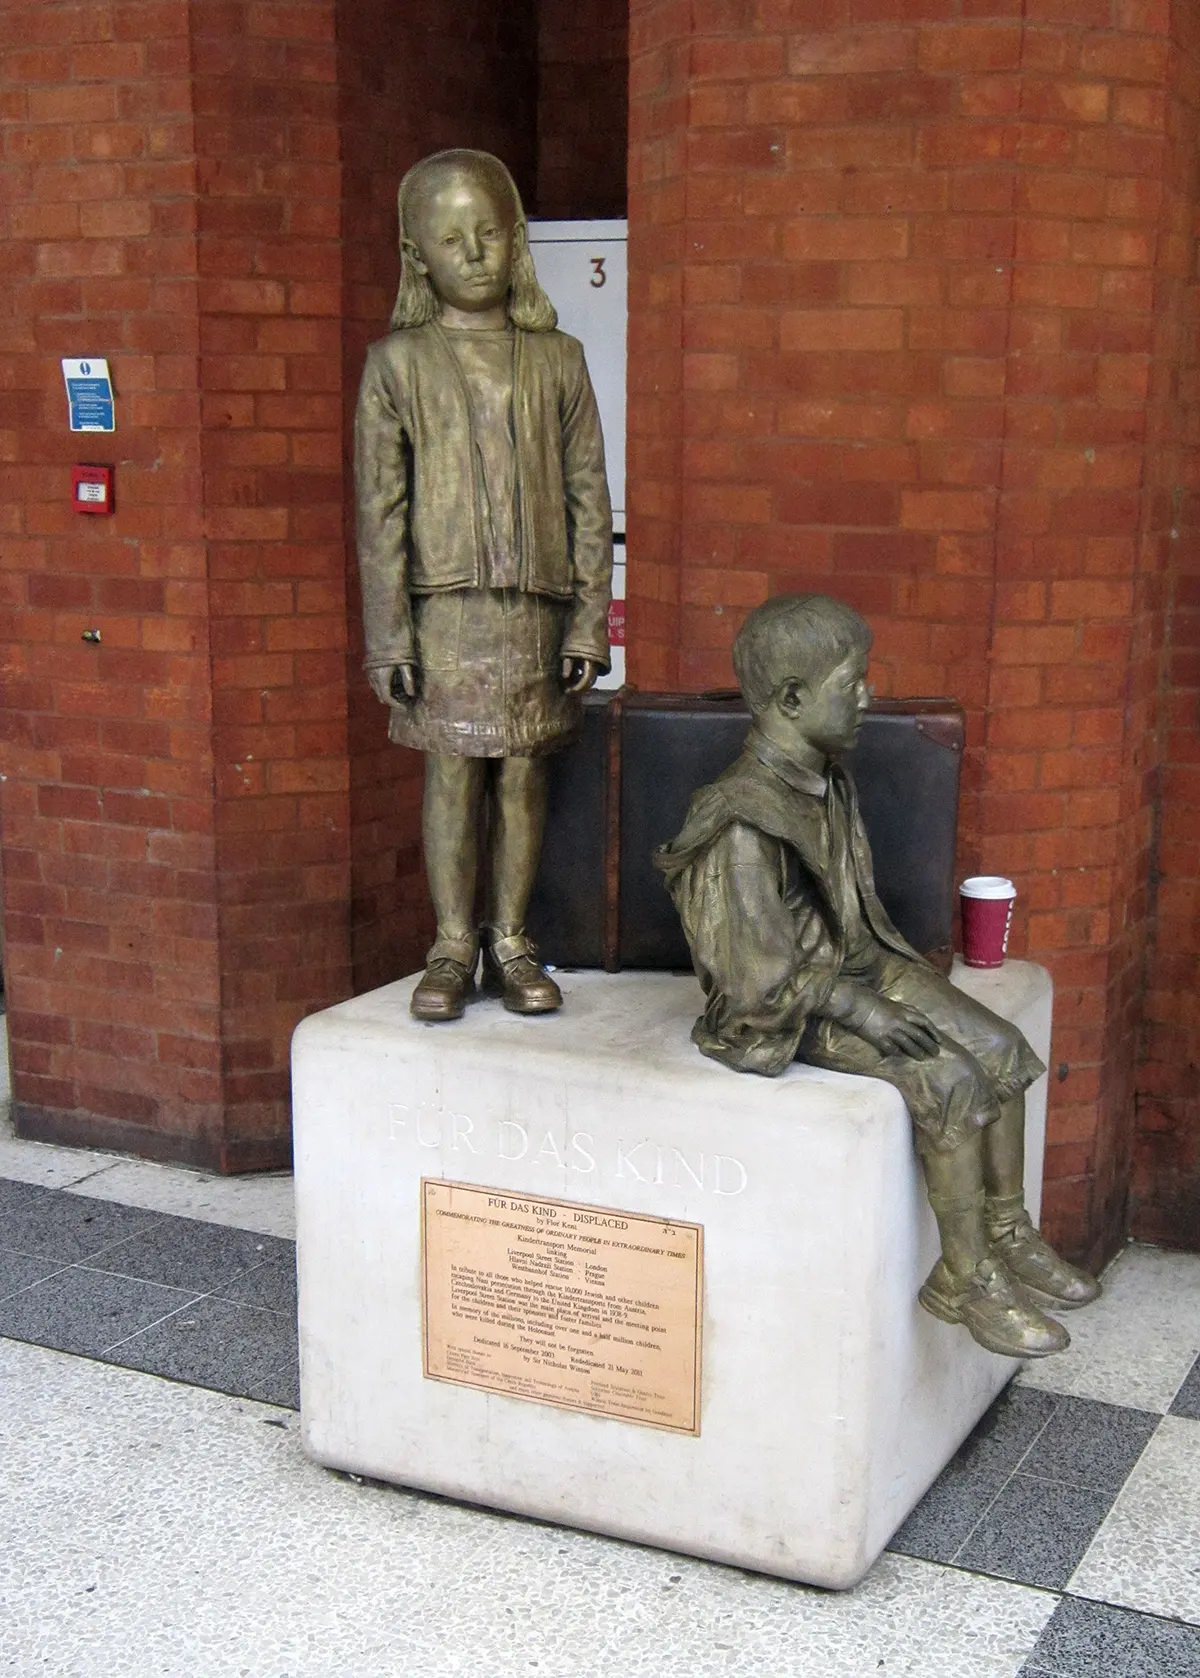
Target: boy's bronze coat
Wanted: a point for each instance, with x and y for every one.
(764, 929)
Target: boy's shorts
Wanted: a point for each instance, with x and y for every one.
(983, 1060)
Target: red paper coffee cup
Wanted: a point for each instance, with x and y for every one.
(987, 907)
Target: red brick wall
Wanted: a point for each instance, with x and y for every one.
(911, 289)
(185, 806)
(905, 288)
(583, 109)
(1166, 1197)
(111, 937)
(268, 226)
(659, 55)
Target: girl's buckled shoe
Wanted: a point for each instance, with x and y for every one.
(448, 982)
(511, 971)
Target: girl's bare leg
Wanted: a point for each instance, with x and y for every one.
(518, 819)
(450, 816)
(450, 829)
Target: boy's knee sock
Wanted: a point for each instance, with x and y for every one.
(1004, 1150)
(1004, 1214)
(960, 1224)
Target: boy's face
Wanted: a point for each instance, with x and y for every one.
(464, 235)
(828, 714)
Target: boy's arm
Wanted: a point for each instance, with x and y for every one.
(892, 1027)
(381, 496)
(773, 960)
(589, 515)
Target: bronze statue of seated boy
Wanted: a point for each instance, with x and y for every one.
(772, 878)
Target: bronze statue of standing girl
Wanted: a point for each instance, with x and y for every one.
(485, 546)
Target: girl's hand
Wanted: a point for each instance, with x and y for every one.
(394, 683)
(580, 674)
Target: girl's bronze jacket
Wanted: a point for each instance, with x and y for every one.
(419, 525)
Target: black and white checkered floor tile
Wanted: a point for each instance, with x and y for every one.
(1081, 1486)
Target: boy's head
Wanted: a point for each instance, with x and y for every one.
(801, 663)
(463, 242)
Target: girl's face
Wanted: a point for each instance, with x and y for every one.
(464, 235)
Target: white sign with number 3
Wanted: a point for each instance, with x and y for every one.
(582, 266)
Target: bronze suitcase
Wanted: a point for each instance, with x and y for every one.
(623, 789)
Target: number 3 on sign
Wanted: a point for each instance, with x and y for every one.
(599, 277)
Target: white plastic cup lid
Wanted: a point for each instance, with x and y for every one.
(988, 885)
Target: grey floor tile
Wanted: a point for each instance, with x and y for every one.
(1036, 1531)
(52, 1223)
(186, 1253)
(946, 1516)
(215, 1343)
(40, 1162)
(282, 1386)
(1093, 1640)
(1086, 1443)
(271, 1286)
(262, 1200)
(1009, 1428)
(85, 1311)
(18, 1270)
(1187, 1399)
(951, 1508)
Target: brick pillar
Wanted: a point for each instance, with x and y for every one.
(268, 225)
(908, 295)
(1166, 1197)
(110, 881)
(187, 806)
(659, 48)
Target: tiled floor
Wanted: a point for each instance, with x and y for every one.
(152, 1528)
(198, 1302)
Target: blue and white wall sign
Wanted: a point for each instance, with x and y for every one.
(90, 394)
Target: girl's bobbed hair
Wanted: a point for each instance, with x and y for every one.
(416, 301)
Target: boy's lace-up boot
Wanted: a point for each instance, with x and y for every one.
(993, 1310)
(1032, 1261)
(979, 1293)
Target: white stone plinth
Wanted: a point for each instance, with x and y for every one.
(829, 1400)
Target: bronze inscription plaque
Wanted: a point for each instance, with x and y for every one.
(570, 1305)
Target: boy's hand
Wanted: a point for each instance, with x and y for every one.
(895, 1029)
(392, 684)
(579, 674)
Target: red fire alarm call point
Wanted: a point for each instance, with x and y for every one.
(92, 489)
